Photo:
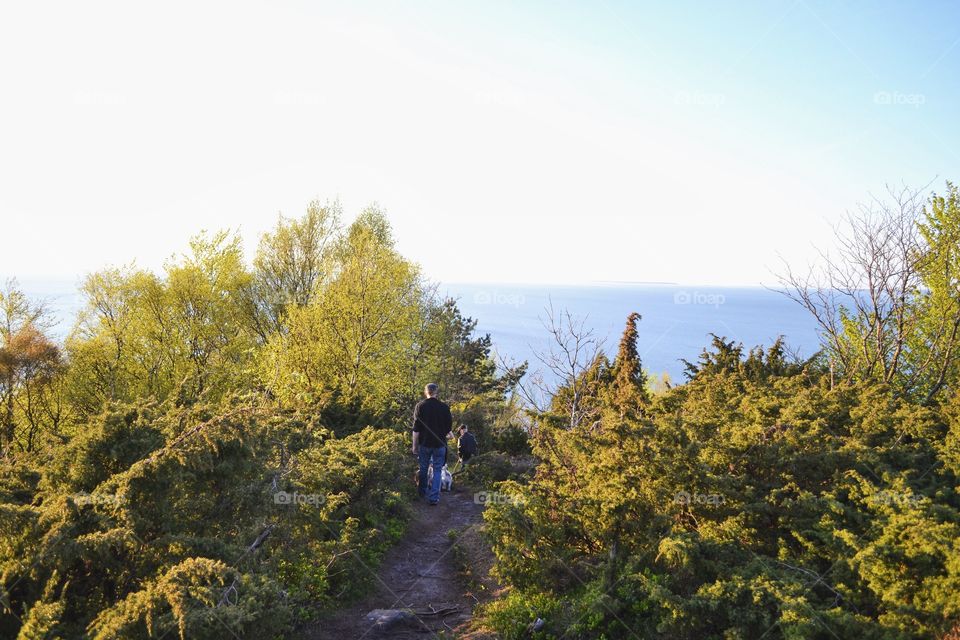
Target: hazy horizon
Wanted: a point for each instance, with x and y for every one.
(677, 319)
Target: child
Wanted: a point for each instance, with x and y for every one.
(466, 446)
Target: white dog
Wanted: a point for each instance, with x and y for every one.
(446, 478)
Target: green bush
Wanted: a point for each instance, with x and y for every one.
(513, 616)
(747, 503)
(511, 439)
(487, 469)
(181, 522)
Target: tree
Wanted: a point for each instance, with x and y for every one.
(934, 350)
(292, 263)
(629, 391)
(186, 333)
(574, 364)
(453, 355)
(102, 342)
(887, 304)
(205, 316)
(29, 360)
(357, 338)
(36, 363)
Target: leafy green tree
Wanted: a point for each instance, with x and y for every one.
(206, 291)
(934, 363)
(458, 359)
(292, 263)
(373, 334)
(356, 342)
(184, 334)
(101, 344)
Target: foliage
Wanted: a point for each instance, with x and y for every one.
(359, 341)
(938, 308)
(496, 424)
(514, 615)
(488, 468)
(373, 334)
(888, 304)
(183, 335)
(30, 366)
(161, 519)
(292, 263)
(754, 501)
(195, 461)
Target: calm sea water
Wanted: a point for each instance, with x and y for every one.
(676, 320)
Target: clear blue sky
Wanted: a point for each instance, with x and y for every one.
(509, 141)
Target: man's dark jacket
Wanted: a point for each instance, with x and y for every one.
(432, 420)
(466, 445)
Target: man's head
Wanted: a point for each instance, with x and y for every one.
(431, 390)
(463, 429)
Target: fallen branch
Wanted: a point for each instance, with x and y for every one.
(437, 612)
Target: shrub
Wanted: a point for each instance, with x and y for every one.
(736, 506)
(172, 524)
(514, 615)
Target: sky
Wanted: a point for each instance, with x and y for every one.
(524, 142)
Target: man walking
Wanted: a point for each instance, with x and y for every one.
(432, 423)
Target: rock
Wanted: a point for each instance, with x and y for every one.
(384, 619)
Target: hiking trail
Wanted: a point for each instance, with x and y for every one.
(420, 585)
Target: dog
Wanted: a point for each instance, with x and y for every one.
(446, 478)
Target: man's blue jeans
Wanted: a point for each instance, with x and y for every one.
(438, 456)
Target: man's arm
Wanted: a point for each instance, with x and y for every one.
(416, 428)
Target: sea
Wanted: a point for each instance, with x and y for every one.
(676, 321)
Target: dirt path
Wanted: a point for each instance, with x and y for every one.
(420, 574)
